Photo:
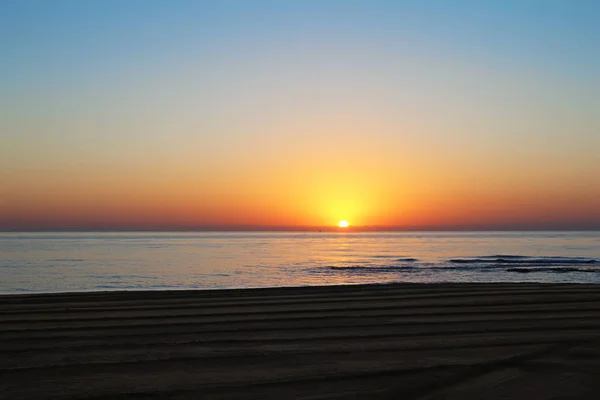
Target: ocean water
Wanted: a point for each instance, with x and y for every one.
(59, 262)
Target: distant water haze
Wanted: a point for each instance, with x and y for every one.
(57, 262)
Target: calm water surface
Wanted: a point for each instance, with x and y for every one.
(56, 262)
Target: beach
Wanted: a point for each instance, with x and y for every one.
(405, 341)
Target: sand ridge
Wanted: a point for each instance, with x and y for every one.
(359, 341)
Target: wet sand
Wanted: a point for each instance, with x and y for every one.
(405, 341)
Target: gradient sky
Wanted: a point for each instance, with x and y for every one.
(411, 114)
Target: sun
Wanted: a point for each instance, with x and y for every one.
(343, 224)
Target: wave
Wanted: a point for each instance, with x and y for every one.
(519, 260)
(394, 268)
(498, 264)
(379, 268)
(409, 269)
(396, 258)
(385, 256)
(553, 270)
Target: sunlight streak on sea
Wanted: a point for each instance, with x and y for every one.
(58, 262)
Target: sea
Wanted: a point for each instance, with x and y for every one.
(74, 262)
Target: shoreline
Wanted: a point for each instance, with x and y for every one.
(404, 340)
(191, 291)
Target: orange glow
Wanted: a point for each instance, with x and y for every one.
(318, 172)
(290, 194)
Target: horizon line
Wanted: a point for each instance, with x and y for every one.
(335, 229)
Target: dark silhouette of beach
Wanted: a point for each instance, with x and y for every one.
(404, 341)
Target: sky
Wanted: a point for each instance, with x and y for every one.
(226, 114)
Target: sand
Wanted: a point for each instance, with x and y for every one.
(404, 341)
